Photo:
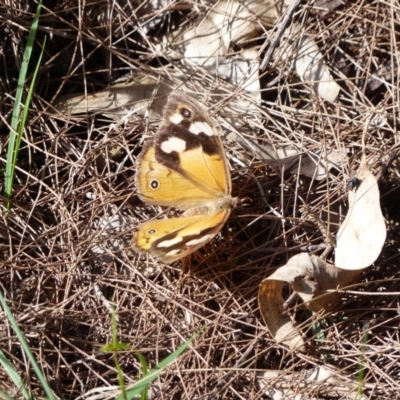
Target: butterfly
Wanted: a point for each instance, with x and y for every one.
(184, 167)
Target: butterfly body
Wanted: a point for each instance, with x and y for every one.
(184, 167)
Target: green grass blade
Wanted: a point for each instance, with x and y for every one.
(145, 371)
(13, 375)
(5, 396)
(116, 346)
(26, 349)
(143, 382)
(12, 150)
(25, 110)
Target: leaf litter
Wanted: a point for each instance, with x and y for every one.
(68, 259)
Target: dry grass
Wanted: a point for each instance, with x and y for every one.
(59, 285)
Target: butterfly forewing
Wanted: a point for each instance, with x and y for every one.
(162, 186)
(189, 143)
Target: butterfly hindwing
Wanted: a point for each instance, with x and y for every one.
(174, 238)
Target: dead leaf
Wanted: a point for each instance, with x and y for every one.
(309, 64)
(363, 232)
(270, 302)
(227, 23)
(242, 71)
(314, 164)
(318, 163)
(135, 95)
(293, 385)
(311, 278)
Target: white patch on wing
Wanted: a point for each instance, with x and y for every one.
(198, 127)
(176, 118)
(200, 240)
(173, 144)
(172, 253)
(169, 243)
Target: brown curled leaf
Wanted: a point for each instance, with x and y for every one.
(311, 278)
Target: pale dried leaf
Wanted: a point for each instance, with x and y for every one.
(293, 385)
(310, 66)
(228, 23)
(209, 42)
(363, 232)
(135, 95)
(311, 278)
(315, 164)
(242, 71)
(270, 302)
(318, 163)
